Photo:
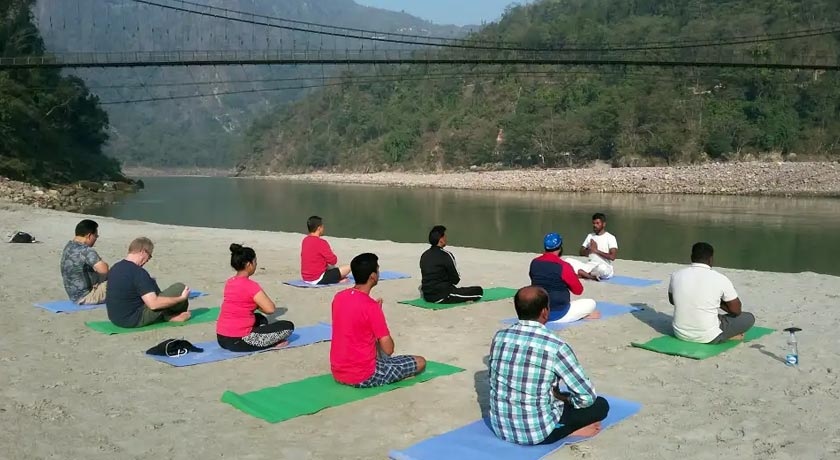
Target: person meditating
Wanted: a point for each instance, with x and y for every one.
(440, 274)
(362, 350)
(527, 365)
(558, 278)
(83, 272)
(601, 247)
(696, 292)
(238, 327)
(317, 260)
(133, 298)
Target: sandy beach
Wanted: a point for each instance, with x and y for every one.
(69, 393)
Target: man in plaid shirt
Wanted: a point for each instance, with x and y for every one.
(527, 365)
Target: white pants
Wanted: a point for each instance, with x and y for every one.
(577, 310)
(592, 267)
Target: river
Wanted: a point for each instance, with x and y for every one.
(757, 233)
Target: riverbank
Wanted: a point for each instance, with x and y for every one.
(64, 383)
(737, 178)
(76, 197)
(142, 171)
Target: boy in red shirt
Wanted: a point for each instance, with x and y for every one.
(361, 351)
(317, 261)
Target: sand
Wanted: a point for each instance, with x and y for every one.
(67, 392)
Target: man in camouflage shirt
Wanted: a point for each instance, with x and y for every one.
(83, 271)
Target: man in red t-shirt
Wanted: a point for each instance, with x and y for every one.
(317, 261)
(361, 351)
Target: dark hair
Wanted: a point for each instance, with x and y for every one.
(364, 265)
(436, 234)
(240, 256)
(86, 227)
(702, 252)
(530, 301)
(599, 216)
(313, 223)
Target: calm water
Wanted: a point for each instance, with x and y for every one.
(772, 234)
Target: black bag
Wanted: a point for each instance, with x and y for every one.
(173, 347)
(21, 237)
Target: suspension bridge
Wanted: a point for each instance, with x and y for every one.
(364, 47)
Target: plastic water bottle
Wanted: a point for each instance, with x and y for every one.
(792, 357)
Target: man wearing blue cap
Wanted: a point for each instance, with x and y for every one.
(559, 279)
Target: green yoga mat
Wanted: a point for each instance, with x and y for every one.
(673, 346)
(308, 396)
(199, 315)
(491, 294)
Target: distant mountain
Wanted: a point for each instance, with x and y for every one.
(204, 132)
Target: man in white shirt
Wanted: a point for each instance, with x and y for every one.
(601, 247)
(696, 292)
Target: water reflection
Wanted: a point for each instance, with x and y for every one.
(775, 234)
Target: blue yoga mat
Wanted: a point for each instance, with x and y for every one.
(477, 442)
(630, 281)
(383, 276)
(608, 310)
(68, 306)
(321, 332)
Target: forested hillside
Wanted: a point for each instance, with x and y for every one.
(51, 128)
(575, 115)
(204, 132)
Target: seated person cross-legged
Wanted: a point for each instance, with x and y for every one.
(239, 328)
(362, 350)
(84, 273)
(601, 248)
(527, 366)
(440, 275)
(559, 279)
(133, 298)
(697, 293)
(317, 260)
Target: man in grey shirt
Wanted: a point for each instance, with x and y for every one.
(84, 273)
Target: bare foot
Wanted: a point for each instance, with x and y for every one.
(594, 315)
(588, 431)
(282, 344)
(738, 337)
(180, 318)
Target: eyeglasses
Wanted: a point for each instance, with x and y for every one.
(148, 254)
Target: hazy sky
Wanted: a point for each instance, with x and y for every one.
(460, 12)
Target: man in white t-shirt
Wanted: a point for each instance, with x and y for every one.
(601, 247)
(696, 292)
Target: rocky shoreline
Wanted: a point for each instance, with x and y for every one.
(742, 178)
(76, 197)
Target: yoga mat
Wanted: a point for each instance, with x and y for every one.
(608, 310)
(311, 395)
(673, 346)
(476, 441)
(68, 306)
(321, 332)
(630, 281)
(199, 315)
(383, 276)
(490, 294)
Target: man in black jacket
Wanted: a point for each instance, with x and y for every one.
(440, 275)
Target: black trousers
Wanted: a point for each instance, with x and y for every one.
(464, 294)
(263, 335)
(575, 419)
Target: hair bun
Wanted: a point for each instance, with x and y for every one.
(234, 248)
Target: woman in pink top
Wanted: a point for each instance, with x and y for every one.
(238, 327)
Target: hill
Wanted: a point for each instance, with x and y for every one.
(52, 128)
(576, 115)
